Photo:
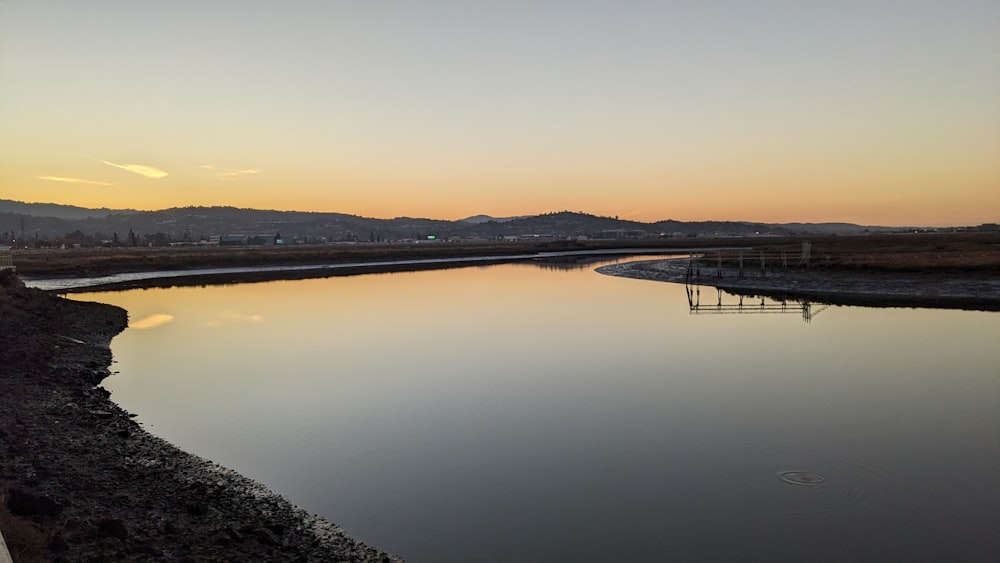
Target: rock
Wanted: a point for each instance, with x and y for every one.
(266, 536)
(58, 543)
(113, 528)
(23, 502)
(196, 509)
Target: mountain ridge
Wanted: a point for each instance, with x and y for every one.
(54, 222)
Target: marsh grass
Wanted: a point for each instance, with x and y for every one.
(949, 253)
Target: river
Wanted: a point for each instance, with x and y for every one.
(545, 412)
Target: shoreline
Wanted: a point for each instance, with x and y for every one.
(81, 480)
(249, 274)
(836, 287)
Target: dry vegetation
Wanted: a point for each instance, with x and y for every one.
(943, 254)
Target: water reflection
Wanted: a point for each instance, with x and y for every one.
(151, 321)
(579, 262)
(736, 304)
(573, 259)
(519, 413)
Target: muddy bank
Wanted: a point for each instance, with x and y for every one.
(974, 291)
(81, 481)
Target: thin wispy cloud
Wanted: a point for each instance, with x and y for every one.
(72, 180)
(140, 169)
(227, 173)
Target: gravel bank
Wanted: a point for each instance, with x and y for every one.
(878, 289)
(81, 481)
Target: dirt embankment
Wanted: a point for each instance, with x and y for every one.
(81, 481)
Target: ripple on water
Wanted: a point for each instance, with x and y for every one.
(801, 477)
(828, 484)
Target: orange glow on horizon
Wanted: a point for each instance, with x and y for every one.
(903, 208)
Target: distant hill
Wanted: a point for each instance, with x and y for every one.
(834, 228)
(53, 222)
(477, 219)
(54, 210)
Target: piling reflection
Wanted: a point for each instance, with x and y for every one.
(749, 305)
(579, 263)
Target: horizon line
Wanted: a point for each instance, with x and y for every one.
(509, 217)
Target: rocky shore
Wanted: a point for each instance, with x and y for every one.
(81, 481)
(975, 291)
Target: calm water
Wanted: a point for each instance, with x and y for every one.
(524, 413)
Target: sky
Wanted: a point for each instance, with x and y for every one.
(875, 112)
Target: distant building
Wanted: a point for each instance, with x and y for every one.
(6, 260)
(623, 234)
(246, 240)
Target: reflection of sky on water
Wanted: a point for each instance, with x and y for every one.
(438, 414)
(151, 321)
(229, 317)
(570, 259)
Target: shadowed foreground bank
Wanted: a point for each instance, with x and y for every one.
(81, 481)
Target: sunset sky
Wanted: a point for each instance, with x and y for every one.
(868, 111)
